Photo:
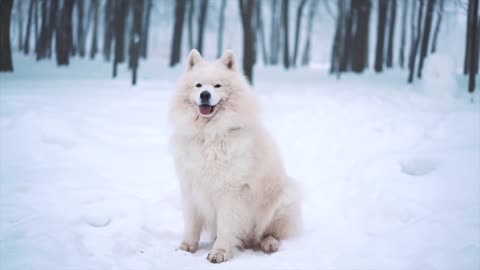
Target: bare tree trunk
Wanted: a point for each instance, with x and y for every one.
(135, 38)
(69, 26)
(246, 14)
(94, 47)
(306, 48)
(391, 34)
(80, 29)
(120, 21)
(221, 25)
(26, 45)
(260, 31)
(6, 63)
(63, 30)
(41, 49)
(382, 17)
(52, 25)
(426, 36)
(468, 43)
(201, 24)
(347, 46)
(35, 19)
(404, 33)
(337, 46)
(146, 28)
(20, 25)
(473, 25)
(109, 21)
(298, 23)
(191, 12)
(286, 50)
(177, 32)
(360, 39)
(274, 33)
(437, 26)
(414, 49)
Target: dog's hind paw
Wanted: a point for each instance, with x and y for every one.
(189, 248)
(270, 244)
(217, 256)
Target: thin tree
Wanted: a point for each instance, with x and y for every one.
(473, 26)
(80, 29)
(135, 38)
(274, 32)
(6, 63)
(437, 26)
(20, 24)
(120, 21)
(221, 25)
(69, 26)
(109, 22)
(41, 49)
(260, 30)
(177, 32)
(382, 17)
(51, 25)
(246, 15)
(201, 24)
(298, 23)
(347, 46)
(286, 51)
(35, 25)
(360, 38)
(404, 33)
(146, 28)
(414, 48)
(62, 38)
(468, 43)
(94, 46)
(391, 33)
(306, 48)
(426, 36)
(191, 12)
(337, 45)
(26, 45)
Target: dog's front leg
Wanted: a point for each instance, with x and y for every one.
(231, 226)
(192, 228)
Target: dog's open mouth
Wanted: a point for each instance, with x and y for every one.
(206, 109)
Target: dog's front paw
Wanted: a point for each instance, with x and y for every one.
(188, 247)
(270, 244)
(217, 256)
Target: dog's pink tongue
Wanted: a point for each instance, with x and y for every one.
(205, 109)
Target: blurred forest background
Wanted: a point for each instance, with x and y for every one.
(361, 34)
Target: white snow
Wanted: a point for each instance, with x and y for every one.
(391, 176)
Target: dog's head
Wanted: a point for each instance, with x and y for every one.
(213, 92)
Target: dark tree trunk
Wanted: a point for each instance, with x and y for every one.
(20, 25)
(260, 31)
(80, 29)
(63, 30)
(201, 24)
(94, 47)
(109, 22)
(414, 49)
(146, 28)
(246, 14)
(221, 25)
(52, 25)
(191, 12)
(6, 63)
(337, 46)
(473, 25)
(347, 46)
(298, 23)
(69, 26)
(35, 25)
(426, 36)
(437, 26)
(382, 17)
(135, 38)
(360, 40)
(404, 33)
(468, 43)
(286, 50)
(274, 33)
(26, 45)
(120, 21)
(306, 48)
(41, 49)
(391, 33)
(177, 32)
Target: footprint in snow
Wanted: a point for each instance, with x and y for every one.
(418, 166)
(98, 220)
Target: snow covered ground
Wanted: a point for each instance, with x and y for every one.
(391, 174)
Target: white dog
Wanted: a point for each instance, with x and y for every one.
(232, 179)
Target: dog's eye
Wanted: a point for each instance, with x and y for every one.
(198, 85)
(218, 85)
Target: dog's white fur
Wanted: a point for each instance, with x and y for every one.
(232, 179)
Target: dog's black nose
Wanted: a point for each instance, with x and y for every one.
(205, 96)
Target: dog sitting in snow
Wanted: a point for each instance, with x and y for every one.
(232, 179)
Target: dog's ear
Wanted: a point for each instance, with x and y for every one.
(194, 57)
(228, 59)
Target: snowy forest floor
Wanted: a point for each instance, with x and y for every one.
(391, 175)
